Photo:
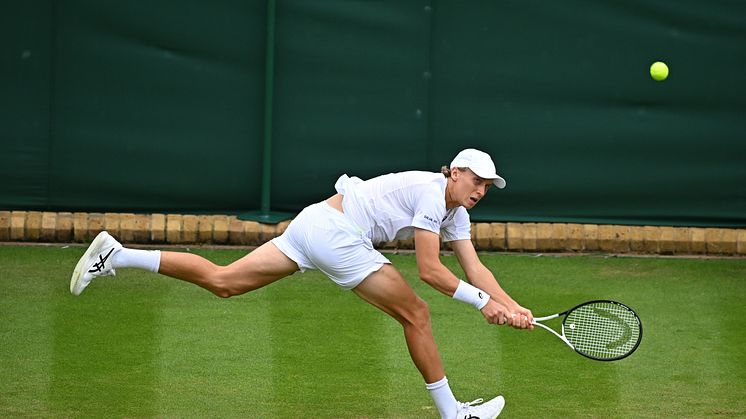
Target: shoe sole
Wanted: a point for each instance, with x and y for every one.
(78, 272)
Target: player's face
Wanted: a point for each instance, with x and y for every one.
(469, 188)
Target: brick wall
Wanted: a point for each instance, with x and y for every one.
(33, 226)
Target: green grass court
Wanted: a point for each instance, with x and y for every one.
(142, 345)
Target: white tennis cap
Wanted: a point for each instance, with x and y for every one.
(480, 163)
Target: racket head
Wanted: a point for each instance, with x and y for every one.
(603, 330)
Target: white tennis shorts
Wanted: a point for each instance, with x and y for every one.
(322, 238)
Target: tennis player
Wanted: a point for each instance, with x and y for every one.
(337, 237)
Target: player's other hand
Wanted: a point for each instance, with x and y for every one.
(496, 313)
(521, 318)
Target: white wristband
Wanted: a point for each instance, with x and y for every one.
(471, 295)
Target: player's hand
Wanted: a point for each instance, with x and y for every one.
(521, 318)
(496, 313)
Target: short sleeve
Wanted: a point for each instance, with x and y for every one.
(430, 211)
(456, 226)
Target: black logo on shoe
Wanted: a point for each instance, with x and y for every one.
(480, 297)
(99, 266)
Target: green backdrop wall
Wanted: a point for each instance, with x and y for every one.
(159, 106)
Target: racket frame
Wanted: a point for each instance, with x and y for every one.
(537, 322)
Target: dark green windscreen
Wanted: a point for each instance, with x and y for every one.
(159, 106)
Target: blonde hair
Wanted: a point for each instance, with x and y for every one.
(447, 172)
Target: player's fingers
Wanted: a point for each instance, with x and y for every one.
(526, 322)
(522, 322)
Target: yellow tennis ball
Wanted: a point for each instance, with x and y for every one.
(659, 71)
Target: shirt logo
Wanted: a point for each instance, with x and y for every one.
(431, 219)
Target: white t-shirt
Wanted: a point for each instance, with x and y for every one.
(389, 207)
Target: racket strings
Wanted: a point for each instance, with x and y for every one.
(602, 330)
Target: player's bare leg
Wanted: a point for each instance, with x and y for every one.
(261, 267)
(387, 290)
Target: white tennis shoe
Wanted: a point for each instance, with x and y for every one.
(96, 261)
(487, 410)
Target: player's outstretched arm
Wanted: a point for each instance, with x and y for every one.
(431, 269)
(480, 276)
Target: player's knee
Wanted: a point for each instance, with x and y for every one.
(419, 315)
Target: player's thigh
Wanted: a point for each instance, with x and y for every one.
(389, 291)
(260, 267)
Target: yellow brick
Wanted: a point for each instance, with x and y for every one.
(652, 239)
(253, 233)
(204, 230)
(497, 233)
(64, 227)
(48, 224)
(481, 236)
(409, 244)
(173, 228)
(515, 236)
(741, 239)
(682, 238)
(267, 232)
(698, 244)
(387, 245)
(720, 241)
(574, 237)
(730, 241)
(712, 240)
(80, 226)
(4, 226)
(637, 239)
(559, 237)
(158, 228)
(95, 224)
(529, 237)
(190, 229)
(282, 226)
(621, 239)
(220, 229)
(544, 237)
(17, 225)
(141, 229)
(112, 223)
(33, 226)
(666, 245)
(126, 228)
(236, 233)
(590, 237)
(606, 238)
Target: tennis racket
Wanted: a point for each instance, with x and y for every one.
(602, 330)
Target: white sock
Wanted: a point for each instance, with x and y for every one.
(149, 260)
(443, 397)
